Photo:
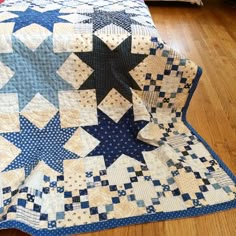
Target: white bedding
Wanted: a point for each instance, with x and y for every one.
(199, 2)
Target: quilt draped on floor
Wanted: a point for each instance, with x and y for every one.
(93, 132)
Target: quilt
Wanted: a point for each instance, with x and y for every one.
(93, 130)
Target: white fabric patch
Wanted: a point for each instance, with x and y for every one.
(39, 111)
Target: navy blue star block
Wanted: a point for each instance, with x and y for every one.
(118, 138)
(34, 72)
(40, 145)
(46, 19)
(100, 19)
(111, 68)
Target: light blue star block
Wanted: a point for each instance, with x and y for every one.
(35, 72)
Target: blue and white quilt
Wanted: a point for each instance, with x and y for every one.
(93, 130)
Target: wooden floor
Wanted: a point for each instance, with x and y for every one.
(206, 35)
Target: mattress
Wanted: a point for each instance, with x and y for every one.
(198, 2)
(93, 130)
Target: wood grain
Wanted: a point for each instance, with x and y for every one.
(206, 35)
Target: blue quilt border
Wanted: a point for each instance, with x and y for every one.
(143, 218)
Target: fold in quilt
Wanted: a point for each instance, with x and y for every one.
(93, 130)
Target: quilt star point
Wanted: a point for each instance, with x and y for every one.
(29, 16)
(37, 145)
(38, 76)
(118, 138)
(101, 19)
(111, 69)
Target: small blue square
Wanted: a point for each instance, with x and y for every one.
(227, 189)
(1, 210)
(210, 168)
(188, 169)
(60, 178)
(146, 88)
(156, 182)
(109, 208)
(23, 190)
(6, 190)
(60, 189)
(46, 178)
(37, 208)
(175, 173)
(102, 216)
(174, 67)
(121, 193)
(199, 195)
(21, 202)
(130, 169)
(83, 192)
(170, 180)
(10, 209)
(75, 199)
(93, 210)
(153, 110)
(60, 215)
(167, 72)
(150, 209)
(182, 62)
(84, 205)
(46, 190)
(179, 90)
(128, 186)
(13, 193)
(53, 184)
(176, 192)
(194, 156)
(159, 77)
(97, 178)
(52, 224)
(197, 175)
(30, 198)
(68, 207)
(186, 196)
(133, 179)
(140, 203)
(102, 172)
(67, 194)
(115, 200)
(162, 94)
(148, 76)
(155, 201)
(113, 188)
(43, 217)
(154, 39)
(170, 60)
(216, 186)
(153, 51)
(104, 182)
(166, 188)
(147, 178)
(131, 197)
(183, 80)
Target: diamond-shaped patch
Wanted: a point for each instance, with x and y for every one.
(75, 71)
(81, 143)
(114, 105)
(32, 36)
(112, 35)
(39, 111)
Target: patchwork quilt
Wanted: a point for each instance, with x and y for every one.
(93, 130)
